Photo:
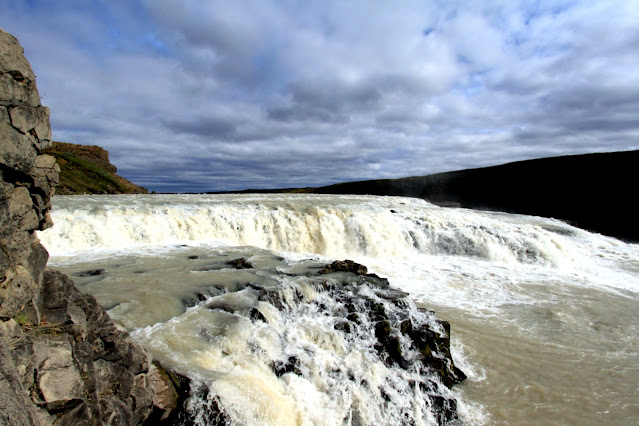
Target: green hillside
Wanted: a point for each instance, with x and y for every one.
(79, 175)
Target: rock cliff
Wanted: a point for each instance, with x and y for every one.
(86, 169)
(62, 360)
(28, 178)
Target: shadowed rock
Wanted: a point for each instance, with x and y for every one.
(240, 263)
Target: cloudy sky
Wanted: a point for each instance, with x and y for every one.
(197, 95)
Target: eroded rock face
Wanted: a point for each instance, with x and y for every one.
(28, 179)
(74, 366)
(83, 362)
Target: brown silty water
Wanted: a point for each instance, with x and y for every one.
(543, 315)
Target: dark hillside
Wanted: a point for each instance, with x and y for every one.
(597, 192)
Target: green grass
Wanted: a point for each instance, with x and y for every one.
(79, 176)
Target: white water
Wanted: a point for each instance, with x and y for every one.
(544, 315)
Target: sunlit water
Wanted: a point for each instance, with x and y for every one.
(544, 316)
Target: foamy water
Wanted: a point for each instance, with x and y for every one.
(544, 315)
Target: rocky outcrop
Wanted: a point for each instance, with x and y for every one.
(376, 321)
(92, 153)
(75, 366)
(85, 169)
(386, 309)
(28, 178)
(589, 191)
(62, 360)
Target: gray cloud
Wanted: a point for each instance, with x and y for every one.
(192, 96)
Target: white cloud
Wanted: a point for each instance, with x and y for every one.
(233, 94)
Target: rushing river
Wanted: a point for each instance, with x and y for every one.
(544, 316)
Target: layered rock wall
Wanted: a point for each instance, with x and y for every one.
(74, 366)
(28, 178)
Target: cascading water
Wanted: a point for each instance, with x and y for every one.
(540, 310)
(332, 226)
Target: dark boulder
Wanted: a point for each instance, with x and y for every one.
(345, 266)
(240, 263)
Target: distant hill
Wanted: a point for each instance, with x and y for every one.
(85, 169)
(597, 192)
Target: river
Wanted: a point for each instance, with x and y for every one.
(544, 316)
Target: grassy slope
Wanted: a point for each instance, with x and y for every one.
(79, 176)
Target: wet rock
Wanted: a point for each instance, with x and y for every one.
(365, 307)
(291, 365)
(240, 263)
(354, 317)
(403, 336)
(444, 409)
(203, 296)
(201, 408)
(256, 315)
(91, 273)
(343, 326)
(390, 343)
(344, 266)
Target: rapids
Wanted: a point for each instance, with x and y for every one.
(543, 315)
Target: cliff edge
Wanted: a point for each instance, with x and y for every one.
(86, 169)
(62, 359)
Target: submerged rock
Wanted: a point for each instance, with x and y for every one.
(291, 365)
(344, 266)
(240, 263)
